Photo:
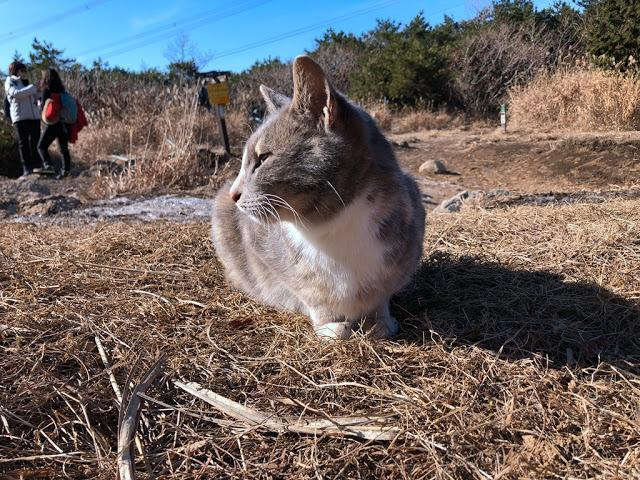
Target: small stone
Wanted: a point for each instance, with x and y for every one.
(49, 205)
(29, 184)
(433, 166)
(454, 203)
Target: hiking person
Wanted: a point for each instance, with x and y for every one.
(57, 119)
(23, 98)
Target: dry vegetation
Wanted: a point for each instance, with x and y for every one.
(518, 357)
(407, 120)
(578, 99)
(163, 131)
(159, 129)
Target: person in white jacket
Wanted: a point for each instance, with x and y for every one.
(23, 98)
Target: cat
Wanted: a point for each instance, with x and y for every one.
(320, 219)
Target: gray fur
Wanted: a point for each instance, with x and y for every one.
(326, 158)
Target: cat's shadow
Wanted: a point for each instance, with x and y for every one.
(519, 313)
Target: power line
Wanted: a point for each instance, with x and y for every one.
(295, 32)
(167, 30)
(43, 23)
(300, 31)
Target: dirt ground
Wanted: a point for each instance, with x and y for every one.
(479, 159)
(522, 162)
(518, 354)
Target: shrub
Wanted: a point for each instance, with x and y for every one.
(406, 66)
(9, 162)
(507, 45)
(612, 28)
(500, 57)
(163, 144)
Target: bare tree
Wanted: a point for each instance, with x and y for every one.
(488, 63)
(182, 50)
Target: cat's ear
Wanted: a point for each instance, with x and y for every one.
(274, 100)
(312, 92)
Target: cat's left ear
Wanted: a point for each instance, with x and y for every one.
(274, 100)
(313, 94)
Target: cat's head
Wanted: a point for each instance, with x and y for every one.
(304, 162)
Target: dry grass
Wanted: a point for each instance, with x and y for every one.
(578, 99)
(163, 129)
(162, 139)
(411, 119)
(518, 355)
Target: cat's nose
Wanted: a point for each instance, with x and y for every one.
(235, 195)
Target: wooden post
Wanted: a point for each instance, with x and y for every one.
(218, 92)
(503, 117)
(223, 127)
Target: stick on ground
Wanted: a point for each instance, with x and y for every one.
(338, 426)
(128, 426)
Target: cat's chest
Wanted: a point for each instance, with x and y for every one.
(345, 252)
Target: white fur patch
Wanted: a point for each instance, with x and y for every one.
(345, 250)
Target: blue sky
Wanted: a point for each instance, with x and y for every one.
(135, 34)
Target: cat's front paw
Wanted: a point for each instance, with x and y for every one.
(333, 330)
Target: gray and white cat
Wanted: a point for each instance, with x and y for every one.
(320, 219)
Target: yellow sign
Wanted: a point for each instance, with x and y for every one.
(218, 93)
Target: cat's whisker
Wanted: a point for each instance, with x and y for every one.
(282, 202)
(334, 189)
(272, 210)
(264, 217)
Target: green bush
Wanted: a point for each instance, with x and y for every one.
(612, 29)
(405, 66)
(9, 163)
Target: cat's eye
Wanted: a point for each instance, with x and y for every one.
(261, 158)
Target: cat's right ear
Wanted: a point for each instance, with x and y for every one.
(274, 100)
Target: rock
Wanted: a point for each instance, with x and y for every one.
(8, 207)
(112, 165)
(403, 144)
(49, 205)
(433, 166)
(454, 203)
(30, 183)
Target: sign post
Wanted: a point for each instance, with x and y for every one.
(218, 93)
(503, 117)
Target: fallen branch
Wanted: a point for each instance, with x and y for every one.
(32, 458)
(345, 426)
(114, 383)
(129, 423)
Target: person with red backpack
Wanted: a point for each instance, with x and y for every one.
(59, 114)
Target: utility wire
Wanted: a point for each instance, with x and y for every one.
(45, 22)
(309, 28)
(299, 31)
(162, 32)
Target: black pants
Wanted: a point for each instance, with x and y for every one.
(28, 132)
(49, 134)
